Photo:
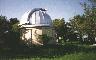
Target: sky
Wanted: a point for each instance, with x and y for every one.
(55, 8)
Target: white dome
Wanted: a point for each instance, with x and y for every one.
(36, 17)
(24, 18)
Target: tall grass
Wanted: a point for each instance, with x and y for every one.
(74, 56)
(66, 52)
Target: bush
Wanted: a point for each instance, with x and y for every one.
(44, 38)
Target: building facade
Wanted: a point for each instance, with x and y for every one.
(36, 23)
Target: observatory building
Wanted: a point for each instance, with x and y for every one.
(36, 23)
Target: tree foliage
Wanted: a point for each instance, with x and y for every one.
(9, 33)
(45, 38)
(60, 28)
(75, 29)
(86, 24)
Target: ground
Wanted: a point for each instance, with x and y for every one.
(51, 52)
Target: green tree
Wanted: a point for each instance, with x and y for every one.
(86, 23)
(90, 15)
(14, 35)
(4, 29)
(60, 29)
(71, 34)
(9, 32)
(45, 38)
(78, 24)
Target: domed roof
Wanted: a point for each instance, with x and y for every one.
(36, 17)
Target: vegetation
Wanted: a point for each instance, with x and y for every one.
(79, 26)
(72, 45)
(44, 38)
(63, 52)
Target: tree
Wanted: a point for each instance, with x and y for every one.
(71, 34)
(9, 32)
(14, 24)
(60, 29)
(86, 23)
(14, 33)
(45, 39)
(4, 28)
(78, 25)
(90, 15)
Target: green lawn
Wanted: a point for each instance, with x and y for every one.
(66, 52)
(74, 56)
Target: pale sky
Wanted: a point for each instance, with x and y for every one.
(55, 8)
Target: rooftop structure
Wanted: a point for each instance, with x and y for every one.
(36, 17)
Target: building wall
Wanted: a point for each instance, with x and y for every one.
(30, 35)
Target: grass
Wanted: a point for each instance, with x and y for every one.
(66, 52)
(74, 56)
(79, 56)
